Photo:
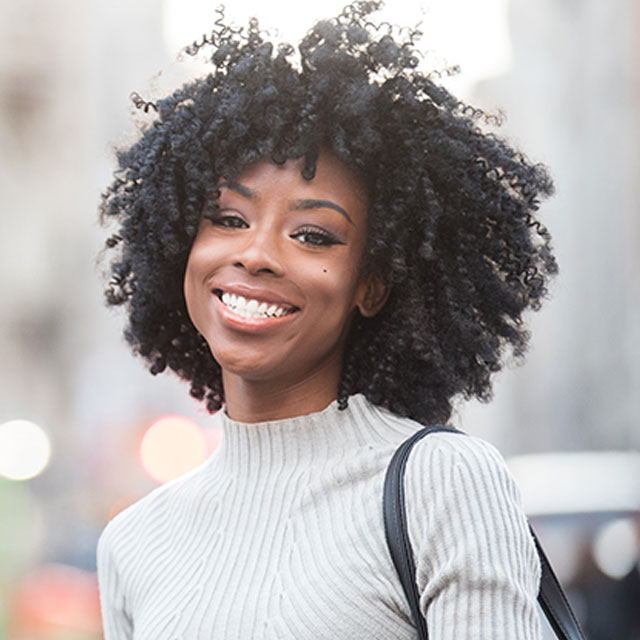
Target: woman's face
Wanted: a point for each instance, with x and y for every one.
(273, 276)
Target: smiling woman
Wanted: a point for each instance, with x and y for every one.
(259, 290)
(330, 250)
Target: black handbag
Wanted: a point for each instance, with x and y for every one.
(551, 596)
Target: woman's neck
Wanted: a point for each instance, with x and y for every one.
(264, 400)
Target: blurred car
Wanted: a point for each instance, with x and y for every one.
(585, 508)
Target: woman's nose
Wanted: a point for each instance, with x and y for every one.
(260, 253)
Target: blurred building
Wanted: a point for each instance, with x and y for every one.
(572, 99)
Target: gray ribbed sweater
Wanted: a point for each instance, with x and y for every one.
(279, 536)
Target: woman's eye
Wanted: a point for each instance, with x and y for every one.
(316, 238)
(227, 221)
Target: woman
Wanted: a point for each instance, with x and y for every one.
(330, 251)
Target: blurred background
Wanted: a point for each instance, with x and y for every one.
(85, 430)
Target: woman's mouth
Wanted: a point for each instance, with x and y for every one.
(252, 308)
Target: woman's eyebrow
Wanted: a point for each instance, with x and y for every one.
(245, 192)
(298, 205)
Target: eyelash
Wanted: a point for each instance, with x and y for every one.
(316, 237)
(225, 221)
(321, 238)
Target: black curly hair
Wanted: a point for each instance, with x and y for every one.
(452, 227)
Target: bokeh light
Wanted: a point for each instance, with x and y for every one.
(213, 437)
(171, 446)
(25, 449)
(61, 597)
(615, 547)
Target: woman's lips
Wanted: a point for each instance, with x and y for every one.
(251, 313)
(254, 307)
(238, 296)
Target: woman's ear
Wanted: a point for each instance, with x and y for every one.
(372, 296)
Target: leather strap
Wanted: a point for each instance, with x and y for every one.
(551, 596)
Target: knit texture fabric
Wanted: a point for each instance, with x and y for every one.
(279, 535)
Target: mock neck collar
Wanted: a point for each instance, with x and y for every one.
(306, 438)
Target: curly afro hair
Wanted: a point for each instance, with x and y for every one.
(452, 227)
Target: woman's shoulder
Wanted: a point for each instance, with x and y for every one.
(461, 483)
(467, 528)
(454, 472)
(449, 448)
(138, 521)
(456, 452)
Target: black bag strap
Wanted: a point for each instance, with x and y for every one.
(551, 596)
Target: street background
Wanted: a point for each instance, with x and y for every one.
(84, 428)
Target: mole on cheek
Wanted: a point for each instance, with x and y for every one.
(324, 271)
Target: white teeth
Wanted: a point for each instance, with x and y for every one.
(251, 308)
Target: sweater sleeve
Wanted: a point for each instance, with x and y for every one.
(477, 568)
(117, 624)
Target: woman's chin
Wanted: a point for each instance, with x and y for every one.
(247, 366)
